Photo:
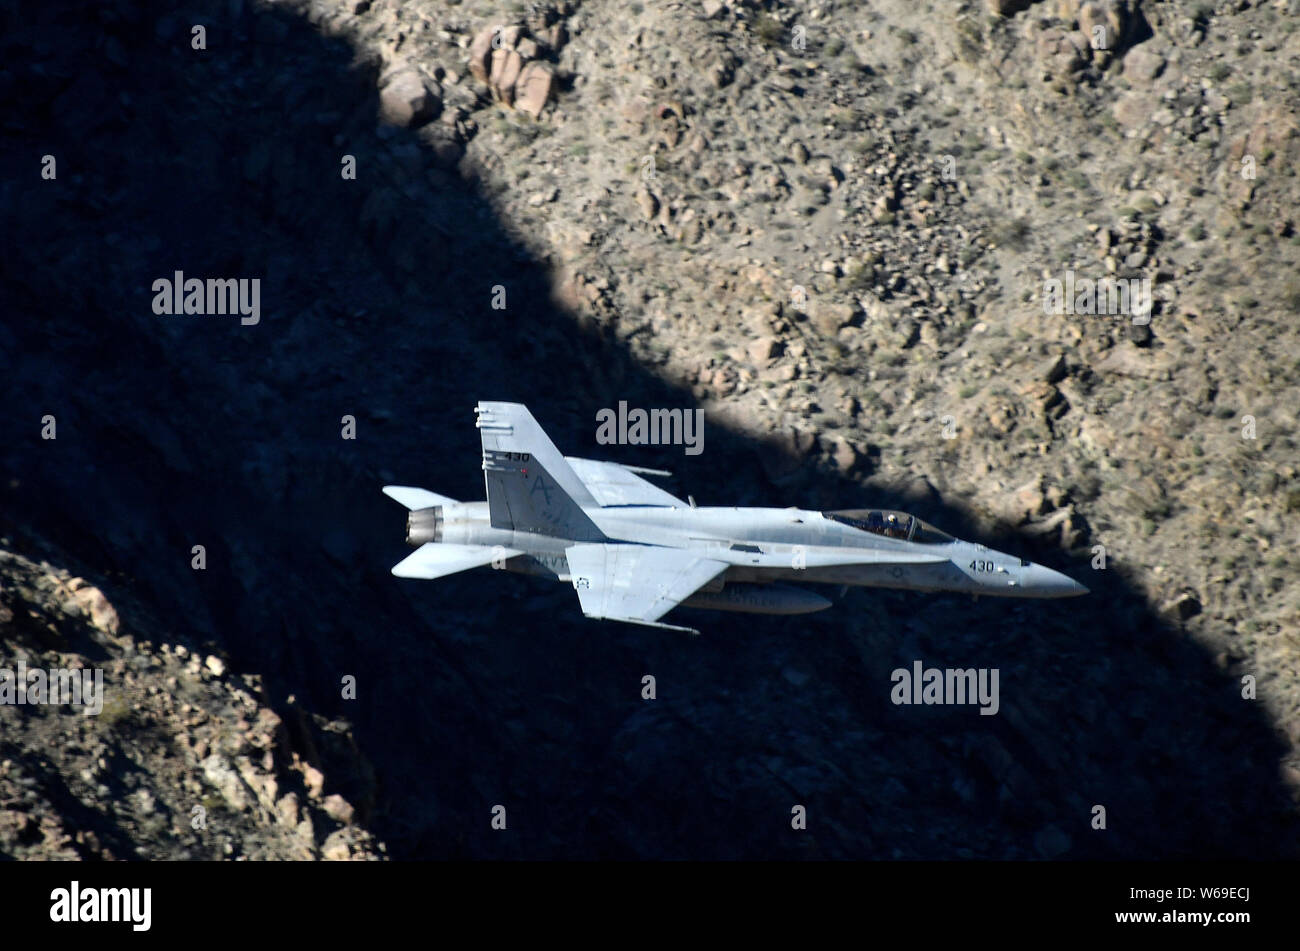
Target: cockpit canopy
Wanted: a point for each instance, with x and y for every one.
(891, 524)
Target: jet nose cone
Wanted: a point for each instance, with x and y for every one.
(1041, 582)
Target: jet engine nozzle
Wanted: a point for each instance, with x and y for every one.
(424, 525)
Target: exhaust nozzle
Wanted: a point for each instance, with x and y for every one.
(423, 526)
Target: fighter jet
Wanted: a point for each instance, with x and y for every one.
(633, 552)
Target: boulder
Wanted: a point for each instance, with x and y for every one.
(555, 36)
(1182, 607)
(647, 202)
(1027, 501)
(764, 349)
(336, 848)
(1006, 8)
(480, 53)
(97, 608)
(1105, 21)
(338, 809)
(219, 773)
(1062, 53)
(1142, 64)
(506, 67)
(407, 100)
(829, 316)
(842, 453)
(533, 88)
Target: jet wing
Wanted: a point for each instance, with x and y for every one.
(612, 484)
(437, 559)
(637, 583)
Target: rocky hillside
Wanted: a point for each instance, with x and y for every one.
(833, 227)
(176, 760)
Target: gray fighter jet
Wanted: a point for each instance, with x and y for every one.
(633, 552)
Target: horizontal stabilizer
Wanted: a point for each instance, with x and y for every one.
(414, 498)
(436, 559)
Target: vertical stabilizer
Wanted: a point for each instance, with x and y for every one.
(530, 487)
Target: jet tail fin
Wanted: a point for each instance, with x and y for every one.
(530, 486)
